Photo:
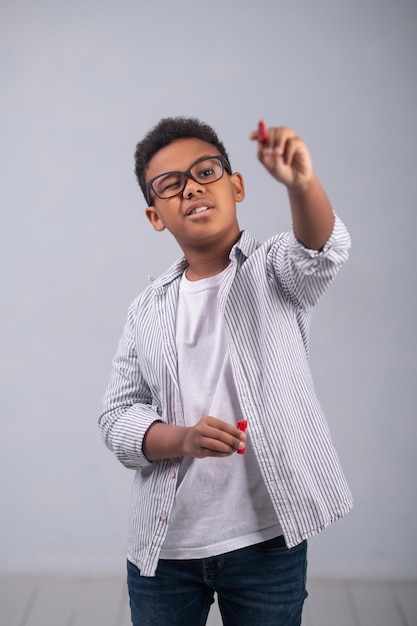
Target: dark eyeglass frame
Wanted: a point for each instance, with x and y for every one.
(187, 174)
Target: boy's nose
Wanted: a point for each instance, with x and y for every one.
(191, 188)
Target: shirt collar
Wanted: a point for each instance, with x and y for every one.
(245, 246)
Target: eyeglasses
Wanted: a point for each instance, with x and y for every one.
(204, 171)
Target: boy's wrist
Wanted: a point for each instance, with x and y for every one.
(165, 441)
(302, 187)
(186, 445)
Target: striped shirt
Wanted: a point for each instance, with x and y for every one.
(267, 303)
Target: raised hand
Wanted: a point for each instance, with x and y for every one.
(285, 156)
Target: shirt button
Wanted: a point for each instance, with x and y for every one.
(163, 515)
(172, 474)
(315, 264)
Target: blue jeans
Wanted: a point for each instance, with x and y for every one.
(263, 584)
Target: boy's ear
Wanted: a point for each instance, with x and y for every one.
(238, 186)
(152, 215)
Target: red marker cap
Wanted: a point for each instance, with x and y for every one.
(242, 425)
(262, 132)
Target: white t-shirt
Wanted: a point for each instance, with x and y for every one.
(221, 504)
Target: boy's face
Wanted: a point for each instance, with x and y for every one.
(202, 213)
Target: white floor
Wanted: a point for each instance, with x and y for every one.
(84, 601)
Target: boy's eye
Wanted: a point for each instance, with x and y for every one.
(168, 183)
(206, 172)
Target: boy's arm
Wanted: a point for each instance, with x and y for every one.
(132, 426)
(287, 159)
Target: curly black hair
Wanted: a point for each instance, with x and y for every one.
(165, 132)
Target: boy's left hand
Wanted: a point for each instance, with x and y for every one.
(285, 156)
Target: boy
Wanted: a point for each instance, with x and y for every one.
(223, 336)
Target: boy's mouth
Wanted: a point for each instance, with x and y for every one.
(196, 208)
(199, 209)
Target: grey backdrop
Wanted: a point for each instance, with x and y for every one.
(81, 83)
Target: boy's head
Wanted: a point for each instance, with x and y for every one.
(164, 133)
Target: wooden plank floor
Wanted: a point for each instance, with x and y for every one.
(40, 600)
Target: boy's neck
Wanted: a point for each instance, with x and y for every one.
(206, 269)
(204, 263)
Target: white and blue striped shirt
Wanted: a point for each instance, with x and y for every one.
(267, 302)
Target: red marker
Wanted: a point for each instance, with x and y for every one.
(262, 132)
(242, 425)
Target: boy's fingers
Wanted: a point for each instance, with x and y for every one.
(277, 142)
(225, 433)
(290, 148)
(282, 137)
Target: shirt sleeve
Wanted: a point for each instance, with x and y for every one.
(305, 274)
(127, 406)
